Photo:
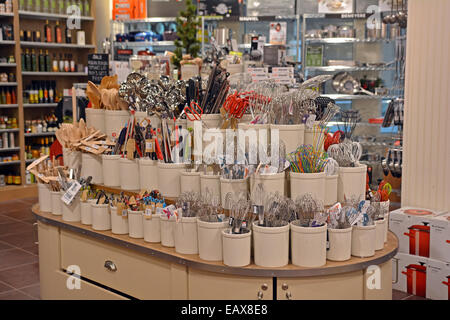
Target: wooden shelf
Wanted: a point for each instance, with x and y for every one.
(9, 163)
(10, 149)
(43, 134)
(9, 130)
(40, 105)
(8, 65)
(49, 16)
(55, 45)
(9, 15)
(6, 106)
(57, 74)
(7, 43)
(8, 84)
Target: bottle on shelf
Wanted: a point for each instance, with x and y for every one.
(72, 64)
(8, 96)
(46, 6)
(53, 6)
(51, 93)
(61, 63)
(58, 33)
(46, 100)
(13, 97)
(41, 61)
(3, 97)
(47, 32)
(68, 35)
(28, 65)
(48, 61)
(87, 8)
(66, 63)
(29, 5)
(55, 67)
(37, 6)
(34, 61)
(61, 7)
(41, 93)
(23, 61)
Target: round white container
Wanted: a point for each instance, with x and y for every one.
(71, 213)
(212, 121)
(210, 239)
(152, 229)
(379, 234)
(119, 223)
(91, 165)
(233, 68)
(135, 224)
(72, 159)
(213, 139)
(115, 121)
(253, 146)
(363, 241)
(331, 185)
(148, 171)
(313, 183)
(129, 174)
(236, 248)
(186, 240)
(190, 182)
(352, 182)
(308, 245)
(309, 136)
(167, 231)
(101, 218)
(211, 183)
(271, 245)
(169, 178)
(340, 244)
(246, 118)
(155, 121)
(56, 203)
(140, 115)
(95, 118)
(292, 135)
(45, 197)
(86, 211)
(234, 186)
(272, 182)
(110, 169)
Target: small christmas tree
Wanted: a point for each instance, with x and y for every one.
(187, 24)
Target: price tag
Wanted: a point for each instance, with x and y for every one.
(88, 149)
(310, 121)
(144, 123)
(125, 214)
(149, 146)
(70, 194)
(148, 214)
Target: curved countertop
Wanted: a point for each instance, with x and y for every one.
(194, 261)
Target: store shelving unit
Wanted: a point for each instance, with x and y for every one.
(25, 20)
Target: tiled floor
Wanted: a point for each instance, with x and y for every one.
(19, 264)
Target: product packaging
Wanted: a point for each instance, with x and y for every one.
(440, 238)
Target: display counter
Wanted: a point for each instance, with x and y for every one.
(119, 267)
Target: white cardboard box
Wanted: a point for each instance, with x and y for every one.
(438, 275)
(412, 228)
(415, 267)
(440, 238)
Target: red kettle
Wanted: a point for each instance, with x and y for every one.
(448, 286)
(419, 240)
(416, 277)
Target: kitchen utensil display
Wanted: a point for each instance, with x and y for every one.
(344, 83)
(419, 240)
(416, 277)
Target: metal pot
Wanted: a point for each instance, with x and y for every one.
(346, 32)
(222, 35)
(416, 277)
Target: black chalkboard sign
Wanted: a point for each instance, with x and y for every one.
(98, 67)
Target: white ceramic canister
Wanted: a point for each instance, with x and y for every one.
(234, 186)
(210, 239)
(236, 248)
(211, 183)
(212, 121)
(148, 174)
(233, 68)
(167, 230)
(129, 174)
(352, 182)
(384, 206)
(115, 121)
(91, 166)
(331, 185)
(292, 135)
(56, 203)
(190, 182)
(363, 241)
(152, 228)
(95, 118)
(86, 211)
(272, 182)
(308, 245)
(379, 233)
(72, 212)
(213, 143)
(135, 224)
(72, 159)
(169, 181)
(45, 197)
(119, 221)
(340, 244)
(253, 132)
(271, 245)
(110, 168)
(101, 217)
(186, 239)
(313, 183)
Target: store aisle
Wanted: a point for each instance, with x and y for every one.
(19, 264)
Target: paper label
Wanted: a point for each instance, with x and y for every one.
(148, 213)
(149, 146)
(125, 214)
(70, 194)
(144, 123)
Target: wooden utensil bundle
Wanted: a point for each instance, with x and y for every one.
(46, 171)
(106, 95)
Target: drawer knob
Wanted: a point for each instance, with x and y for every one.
(284, 286)
(288, 295)
(110, 266)
(265, 287)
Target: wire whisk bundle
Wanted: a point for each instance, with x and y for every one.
(310, 211)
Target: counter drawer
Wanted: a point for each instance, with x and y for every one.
(135, 274)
